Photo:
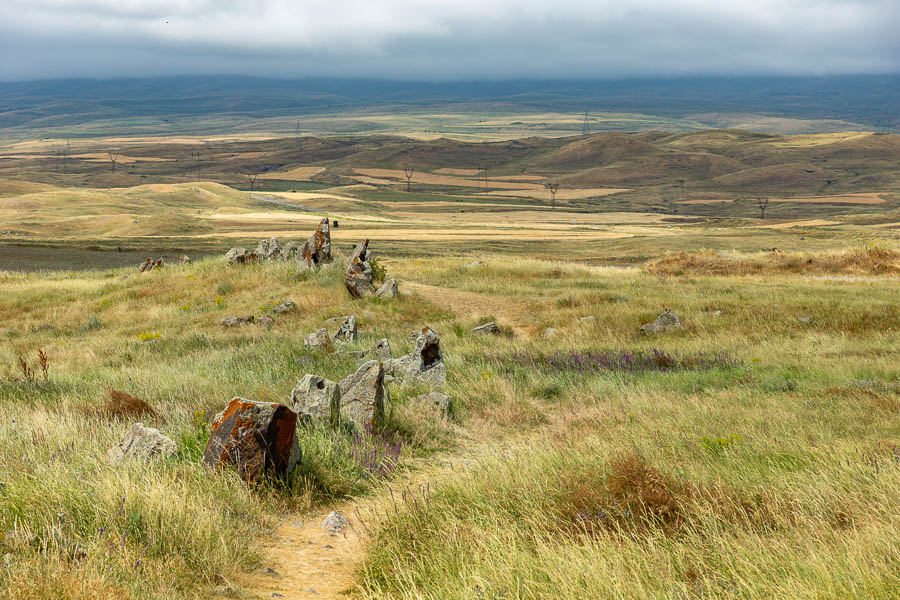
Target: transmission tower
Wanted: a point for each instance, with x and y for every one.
(586, 126)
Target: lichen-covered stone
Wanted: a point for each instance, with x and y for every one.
(317, 399)
(358, 277)
(319, 339)
(257, 438)
(362, 396)
(237, 321)
(389, 289)
(141, 442)
(667, 321)
(316, 251)
(434, 402)
(269, 249)
(239, 255)
(348, 331)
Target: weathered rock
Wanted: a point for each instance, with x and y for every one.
(586, 320)
(317, 399)
(269, 249)
(237, 321)
(319, 339)
(265, 321)
(362, 396)
(487, 328)
(381, 350)
(389, 289)
(256, 438)
(804, 319)
(474, 265)
(432, 401)
(150, 264)
(141, 442)
(665, 322)
(549, 333)
(358, 276)
(717, 313)
(348, 331)
(316, 251)
(335, 523)
(239, 255)
(426, 362)
(286, 306)
(290, 250)
(185, 259)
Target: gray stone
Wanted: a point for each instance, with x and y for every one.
(362, 396)
(286, 306)
(318, 339)
(665, 322)
(141, 442)
(290, 250)
(586, 320)
(474, 265)
(236, 321)
(348, 331)
(804, 319)
(717, 313)
(239, 255)
(549, 333)
(425, 363)
(358, 277)
(269, 249)
(265, 321)
(432, 401)
(335, 523)
(317, 399)
(489, 327)
(381, 350)
(389, 289)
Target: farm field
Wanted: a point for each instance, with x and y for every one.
(751, 452)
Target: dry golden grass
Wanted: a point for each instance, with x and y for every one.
(859, 198)
(861, 261)
(296, 174)
(431, 179)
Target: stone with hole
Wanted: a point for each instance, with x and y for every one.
(316, 399)
(358, 276)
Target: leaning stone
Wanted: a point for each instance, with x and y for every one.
(489, 327)
(348, 331)
(269, 249)
(316, 251)
(362, 396)
(318, 339)
(317, 399)
(433, 401)
(389, 289)
(358, 277)
(335, 523)
(665, 322)
(141, 442)
(236, 321)
(256, 438)
(286, 306)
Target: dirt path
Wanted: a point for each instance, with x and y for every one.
(510, 312)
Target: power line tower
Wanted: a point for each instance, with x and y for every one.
(586, 126)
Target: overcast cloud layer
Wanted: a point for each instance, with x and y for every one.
(447, 39)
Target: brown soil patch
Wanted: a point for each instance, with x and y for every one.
(297, 174)
(807, 223)
(563, 194)
(860, 198)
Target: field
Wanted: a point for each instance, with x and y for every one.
(753, 453)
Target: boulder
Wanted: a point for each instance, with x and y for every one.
(265, 321)
(290, 250)
(150, 264)
(381, 350)
(239, 255)
(425, 364)
(549, 333)
(435, 402)
(143, 443)
(389, 289)
(269, 249)
(257, 438)
(358, 276)
(487, 328)
(362, 396)
(348, 331)
(316, 251)
(335, 523)
(286, 306)
(665, 322)
(319, 339)
(317, 399)
(237, 321)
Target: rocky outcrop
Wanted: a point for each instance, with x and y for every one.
(358, 277)
(316, 251)
(389, 289)
(348, 331)
(143, 443)
(666, 322)
(319, 339)
(257, 438)
(362, 396)
(150, 264)
(237, 321)
(269, 249)
(240, 256)
(488, 328)
(381, 350)
(316, 399)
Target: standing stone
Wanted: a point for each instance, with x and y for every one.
(269, 249)
(425, 363)
(389, 289)
(317, 399)
(381, 350)
(348, 331)
(146, 265)
(239, 255)
(254, 437)
(141, 442)
(667, 321)
(319, 339)
(290, 250)
(316, 251)
(362, 396)
(358, 276)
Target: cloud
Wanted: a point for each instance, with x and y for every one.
(447, 39)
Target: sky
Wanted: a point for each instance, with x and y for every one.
(437, 40)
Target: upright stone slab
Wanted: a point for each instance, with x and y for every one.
(317, 399)
(426, 361)
(269, 249)
(362, 396)
(143, 443)
(256, 438)
(358, 277)
(348, 331)
(316, 250)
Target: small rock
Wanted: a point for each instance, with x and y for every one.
(272, 572)
(277, 595)
(141, 442)
(474, 265)
(487, 328)
(265, 321)
(717, 313)
(237, 321)
(389, 289)
(286, 306)
(432, 401)
(665, 322)
(804, 319)
(335, 523)
(549, 333)
(317, 399)
(348, 331)
(619, 298)
(319, 339)
(150, 264)
(588, 319)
